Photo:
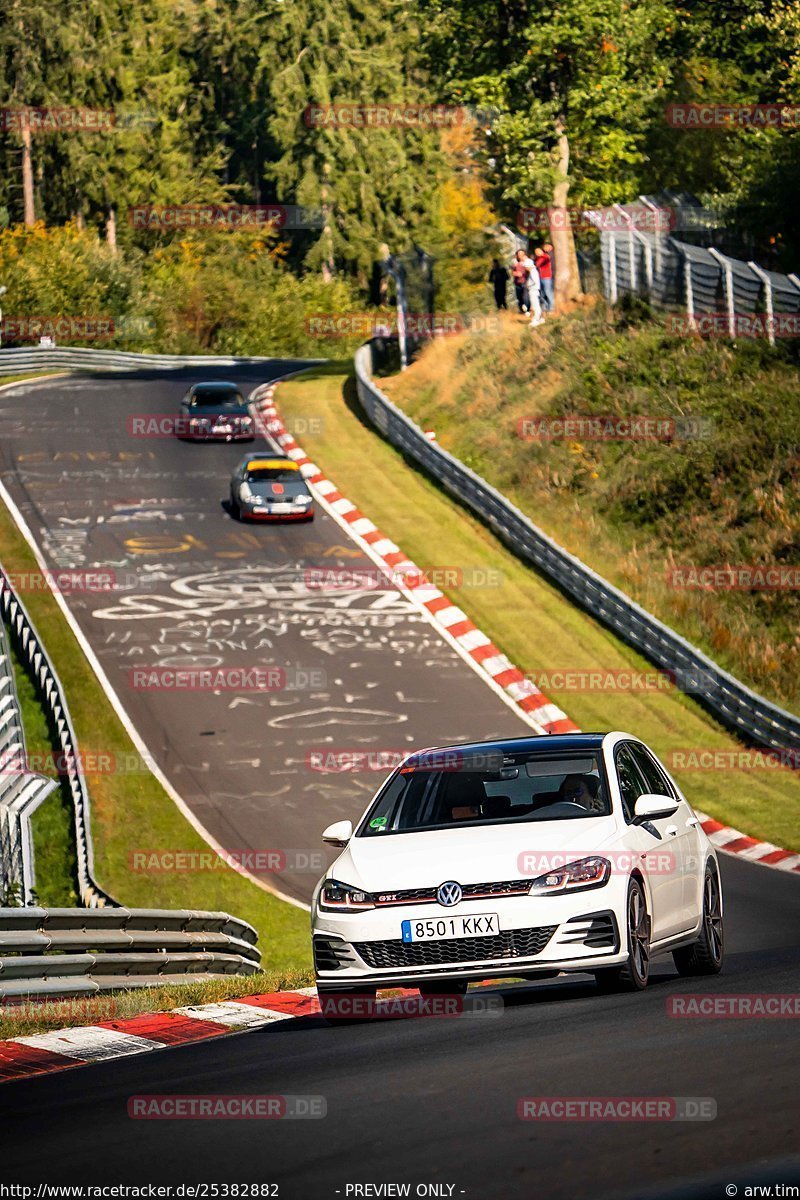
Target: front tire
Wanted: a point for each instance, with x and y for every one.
(706, 955)
(633, 975)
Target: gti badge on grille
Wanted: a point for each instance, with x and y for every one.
(449, 893)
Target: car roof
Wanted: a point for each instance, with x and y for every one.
(270, 460)
(217, 385)
(544, 743)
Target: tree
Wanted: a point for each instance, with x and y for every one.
(372, 183)
(573, 85)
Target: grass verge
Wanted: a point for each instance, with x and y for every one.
(719, 485)
(28, 1016)
(530, 620)
(52, 822)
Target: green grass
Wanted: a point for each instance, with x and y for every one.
(36, 1016)
(52, 822)
(529, 619)
(635, 511)
(4, 379)
(130, 810)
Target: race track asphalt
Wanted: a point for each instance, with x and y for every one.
(413, 1101)
(197, 589)
(424, 1101)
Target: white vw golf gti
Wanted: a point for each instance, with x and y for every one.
(520, 857)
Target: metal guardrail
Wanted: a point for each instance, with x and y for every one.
(749, 715)
(62, 950)
(71, 358)
(32, 652)
(21, 792)
(737, 296)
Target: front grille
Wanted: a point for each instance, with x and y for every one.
(469, 891)
(515, 943)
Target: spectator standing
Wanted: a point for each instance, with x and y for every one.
(498, 277)
(534, 304)
(543, 257)
(519, 273)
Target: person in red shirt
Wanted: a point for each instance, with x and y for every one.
(543, 257)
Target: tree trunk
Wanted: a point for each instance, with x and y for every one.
(111, 230)
(565, 262)
(27, 175)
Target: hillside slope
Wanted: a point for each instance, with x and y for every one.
(725, 489)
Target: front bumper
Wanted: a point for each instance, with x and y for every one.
(212, 435)
(249, 513)
(579, 932)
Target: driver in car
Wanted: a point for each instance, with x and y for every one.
(582, 790)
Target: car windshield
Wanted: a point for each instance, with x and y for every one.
(497, 790)
(276, 474)
(217, 398)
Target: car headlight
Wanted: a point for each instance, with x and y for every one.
(335, 896)
(302, 499)
(574, 877)
(245, 492)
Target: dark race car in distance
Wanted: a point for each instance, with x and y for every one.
(270, 487)
(215, 412)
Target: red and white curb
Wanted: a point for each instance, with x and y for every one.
(471, 643)
(43, 1053)
(731, 841)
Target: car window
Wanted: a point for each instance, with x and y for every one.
(631, 783)
(281, 474)
(651, 773)
(522, 788)
(216, 398)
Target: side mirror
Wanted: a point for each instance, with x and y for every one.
(649, 807)
(338, 834)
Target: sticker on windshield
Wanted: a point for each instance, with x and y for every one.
(378, 823)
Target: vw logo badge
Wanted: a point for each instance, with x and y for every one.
(449, 893)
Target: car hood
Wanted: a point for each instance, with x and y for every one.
(476, 854)
(290, 490)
